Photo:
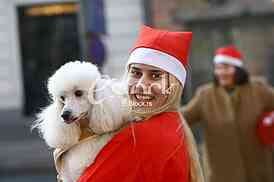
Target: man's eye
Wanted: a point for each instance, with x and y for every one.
(78, 93)
(156, 76)
(135, 73)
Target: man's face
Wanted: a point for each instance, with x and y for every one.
(147, 86)
(225, 74)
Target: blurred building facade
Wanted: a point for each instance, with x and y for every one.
(248, 24)
(36, 37)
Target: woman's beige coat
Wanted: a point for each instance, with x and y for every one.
(231, 150)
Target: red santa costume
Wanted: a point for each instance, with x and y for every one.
(161, 147)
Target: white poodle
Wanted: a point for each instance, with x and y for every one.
(86, 110)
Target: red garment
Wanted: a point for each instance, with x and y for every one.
(147, 151)
(265, 129)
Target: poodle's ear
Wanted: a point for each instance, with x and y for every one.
(107, 113)
(55, 132)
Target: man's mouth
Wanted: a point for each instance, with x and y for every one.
(144, 98)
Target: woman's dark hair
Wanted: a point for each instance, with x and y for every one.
(241, 76)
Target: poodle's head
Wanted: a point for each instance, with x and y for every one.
(78, 91)
(70, 87)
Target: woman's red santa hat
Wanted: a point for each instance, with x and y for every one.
(228, 55)
(162, 49)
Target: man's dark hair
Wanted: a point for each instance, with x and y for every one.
(241, 76)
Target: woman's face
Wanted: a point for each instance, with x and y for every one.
(147, 86)
(225, 74)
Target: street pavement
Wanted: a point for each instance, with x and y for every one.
(23, 154)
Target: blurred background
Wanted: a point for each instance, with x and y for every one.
(37, 36)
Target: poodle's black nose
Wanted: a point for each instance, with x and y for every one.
(66, 115)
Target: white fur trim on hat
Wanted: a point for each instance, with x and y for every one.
(228, 60)
(160, 60)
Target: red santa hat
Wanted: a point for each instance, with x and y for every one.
(162, 49)
(228, 55)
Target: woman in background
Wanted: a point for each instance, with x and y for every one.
(229, 108)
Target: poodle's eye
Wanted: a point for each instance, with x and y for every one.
(62, 98)
(78, 93)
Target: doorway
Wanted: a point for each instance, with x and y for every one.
(48, 38)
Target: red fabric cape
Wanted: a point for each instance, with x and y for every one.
(153, 150)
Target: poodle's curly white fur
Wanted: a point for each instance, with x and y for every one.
(79, 88)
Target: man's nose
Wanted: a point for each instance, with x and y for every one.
(143, 82)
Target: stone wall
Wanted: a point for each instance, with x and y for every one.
(246, 24)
